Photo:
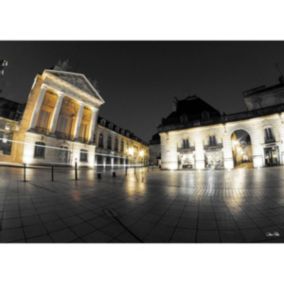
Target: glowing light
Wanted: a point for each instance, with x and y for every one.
(131, 151)
(28, 154)
(141, 154)
(200, 165)
(257, 162)
(5, 140)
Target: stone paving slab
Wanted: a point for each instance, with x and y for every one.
(152, 206)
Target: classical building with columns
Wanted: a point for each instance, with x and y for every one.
(197, 136)
(59, 125)
(59, 120)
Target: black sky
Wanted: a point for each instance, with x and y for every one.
(139, 80)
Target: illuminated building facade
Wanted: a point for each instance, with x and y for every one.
(59, 124)
(118, 147)
(10, 114)
(155, 150)
(197, 136)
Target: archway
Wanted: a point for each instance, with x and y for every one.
(242, 149)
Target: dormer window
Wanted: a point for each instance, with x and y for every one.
(103, 122)
(205, 115)
(183, 118)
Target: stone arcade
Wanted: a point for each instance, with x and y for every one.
(197, 136)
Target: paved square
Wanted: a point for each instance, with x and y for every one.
(242, 205)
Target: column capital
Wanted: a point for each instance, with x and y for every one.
(43, 87)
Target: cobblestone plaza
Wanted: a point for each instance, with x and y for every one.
(242, 205)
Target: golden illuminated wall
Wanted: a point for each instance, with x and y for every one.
(44, 118)
(19, 136)
(133, 150)
(85, 123)
(67, 117)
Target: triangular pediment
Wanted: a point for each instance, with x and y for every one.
(77, 80)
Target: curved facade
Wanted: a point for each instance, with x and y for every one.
(196, 136)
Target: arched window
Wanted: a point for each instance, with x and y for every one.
(101, 141)
(39, 152)
(109, 142)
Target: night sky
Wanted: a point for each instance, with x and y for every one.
(138, 80)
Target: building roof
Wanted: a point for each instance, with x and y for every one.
(265, 89)
(156, 139)
(10, 109)
(191, 108)
(125, 132)
(78, 80)
(225, 118)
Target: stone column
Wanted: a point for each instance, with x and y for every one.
(228, 152)
(199, 152)
(78, 121)
(56, 111)
(37, 107)
(168, 152)
(93, 124)
(257, 139)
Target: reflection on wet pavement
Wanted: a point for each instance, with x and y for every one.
(241, 205)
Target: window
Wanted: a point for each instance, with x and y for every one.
(83, 155)
(185, 144)
(212, 140)
(116, 145)
(43, 118)
(64, 155)
(122, 146)
(83, 131)
(101, 141)
(5, 143)
(109, 142)
(39, 150)
(269, 137)
(64, 124)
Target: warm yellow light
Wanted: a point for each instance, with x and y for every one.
(235, 143)
(141, 154)
(131, 151)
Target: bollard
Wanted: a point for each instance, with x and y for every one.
(25, 167)
(99, 175)
(52, 173)
(113, 174)
(76, 171)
